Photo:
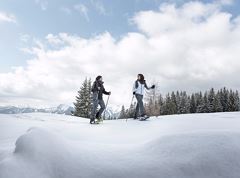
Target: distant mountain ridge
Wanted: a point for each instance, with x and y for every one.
(60, 109)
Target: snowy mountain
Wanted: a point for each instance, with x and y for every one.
(16, 110)
(178, 146)
(111, 113)
(61, 109)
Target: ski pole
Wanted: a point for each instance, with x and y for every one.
(106, 107)
(130, 105)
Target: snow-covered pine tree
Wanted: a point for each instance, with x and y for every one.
(224, 99)
(199, 102)
(211, 97)
(232, 103)
(184, 104)
(122, 114)
(205, 108)
(89, 95)
(130, 113)
(193, 107)
(83, 100)
(160, 103)
(237, 99)
(168, 109)
(217, 103)
(173, 103)
(178, 102)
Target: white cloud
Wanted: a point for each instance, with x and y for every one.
(53, 39)
(42, 3)
(99, 7)
(6, 17)
(179, 49)
(83, 10)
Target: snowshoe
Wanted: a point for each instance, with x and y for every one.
(143, 118)
(99, 119)
(92, 121)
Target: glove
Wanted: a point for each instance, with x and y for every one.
(134, 93)
(153, 86)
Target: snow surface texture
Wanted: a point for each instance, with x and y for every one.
(179, 146)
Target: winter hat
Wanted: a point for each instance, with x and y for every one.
(98, 77)
(141, 77)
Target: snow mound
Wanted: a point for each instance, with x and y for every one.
(38, 142)
(42, 154)
(206, 154)
(38, 153)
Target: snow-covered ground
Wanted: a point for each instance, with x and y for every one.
(181, 146)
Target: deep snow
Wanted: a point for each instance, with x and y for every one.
(180, 146)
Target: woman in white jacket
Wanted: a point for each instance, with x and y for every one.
(139, 90)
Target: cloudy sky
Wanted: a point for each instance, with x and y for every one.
(48, 48)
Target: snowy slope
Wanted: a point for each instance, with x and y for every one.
(56, 146)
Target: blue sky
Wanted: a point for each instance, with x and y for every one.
(166, 40)
(34, 20)
(37, 18)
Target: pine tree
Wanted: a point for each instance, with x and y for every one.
(168, 105)
(217, 103)
(83, 102)
(122, 113)
(178, 102)
(205, 108)
(173, 103)
(130, 113)
(224, 99)
(184, 104)
(160, 102)
(199, 102)
(211, 97)
(237, 99)
(232, 103)
(193, 107)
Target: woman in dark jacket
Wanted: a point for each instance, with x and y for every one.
(98, 91)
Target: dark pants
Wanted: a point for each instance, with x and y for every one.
(140, 108)
(97, 102)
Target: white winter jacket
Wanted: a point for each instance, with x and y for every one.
(139, 88)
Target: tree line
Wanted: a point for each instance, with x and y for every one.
(179, 102)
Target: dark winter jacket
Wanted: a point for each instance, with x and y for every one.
(99, 88)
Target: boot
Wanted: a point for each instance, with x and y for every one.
(92, 121)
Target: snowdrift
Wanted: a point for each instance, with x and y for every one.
(41, 153)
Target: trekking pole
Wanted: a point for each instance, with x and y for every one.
(130, 105)
(105, 107)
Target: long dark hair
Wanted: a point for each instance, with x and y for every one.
(141, 77)
(141, 80)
